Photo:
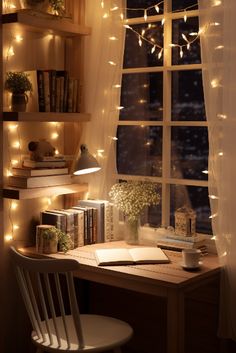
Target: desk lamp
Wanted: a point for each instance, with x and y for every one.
(86, 163)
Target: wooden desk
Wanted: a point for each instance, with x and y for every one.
(162, 280)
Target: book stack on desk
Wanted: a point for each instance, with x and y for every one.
(177, 242)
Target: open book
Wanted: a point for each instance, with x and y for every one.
(142, 255)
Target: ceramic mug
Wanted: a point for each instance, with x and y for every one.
(191, 257)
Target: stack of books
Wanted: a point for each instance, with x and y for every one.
(91, 221)
(53, 91)
(178, 242)
(40, 174)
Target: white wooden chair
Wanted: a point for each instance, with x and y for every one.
(54, 329)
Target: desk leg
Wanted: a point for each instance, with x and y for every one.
(175, 322)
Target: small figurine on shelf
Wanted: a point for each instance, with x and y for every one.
(185, 222)
(40, 149)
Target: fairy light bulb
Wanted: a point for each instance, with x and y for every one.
(192, 34)
(163, 21)
(127, 26)
(114, 138)
(10, 51)
(121, 16)
(213, 197)
(116, 86)
(157, 8)
(185, 17)
(220, 154)
(221, 116)
(15, 227)
(184, 37)
(56, 152)
(114, 8)
(213, 216)
(12, 127)
(54, 135)
(181, 53)
(205, 172)
(105, 15)
(13, 206)
(145, 15)
(112, 63)
(16, 144)
(160, 54)
(143, 32)
(188, 46)
(102, 4)
(119, 108)
(9, 173)
(8, 237)
(18, 38)
(140, 41)
(113, 38)
(214, 83)
(153, 49)
(14, 162)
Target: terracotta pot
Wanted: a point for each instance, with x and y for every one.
(19, 102)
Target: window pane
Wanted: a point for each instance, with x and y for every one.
(195, 197)
(183, 4)
(139, 150)
(141, 56)
(187, 96)
(189, 152)
(134, 4)
(142, 96)
(191, 56)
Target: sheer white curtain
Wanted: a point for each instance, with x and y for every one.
(218, 44)
(103, 63)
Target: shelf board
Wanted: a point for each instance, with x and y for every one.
(25, 194)
(37, 22)
(46, 117)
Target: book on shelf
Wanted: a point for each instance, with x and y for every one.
(31, 172)
(39, 181)
(86, 222)
(46, 85)
(69, 224)
(123, 256)
(44, 164)
(78, 226)
(41, 99)
(55, 219)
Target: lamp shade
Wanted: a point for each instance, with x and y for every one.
(86, 163)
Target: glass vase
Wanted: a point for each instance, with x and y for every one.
(132, 229)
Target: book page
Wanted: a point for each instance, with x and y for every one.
(113, 256)
(148, 255)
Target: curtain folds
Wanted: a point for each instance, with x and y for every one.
(103, 64)
(218, 47)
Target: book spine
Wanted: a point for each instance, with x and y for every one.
(70, 95)
(94, 227)
(46, 81)
(58, 82)
(81, 235)
(61, 101)
(75, 96)
(53, 90)
(41, 98)
(107, 222)
(112, 235)
(65, 98)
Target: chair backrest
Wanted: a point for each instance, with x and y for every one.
(44, 290)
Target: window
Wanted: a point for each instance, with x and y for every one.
(162, 131)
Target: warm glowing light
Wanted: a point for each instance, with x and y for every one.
(102, 4)
(172, 45)
(114, 8)
(220, 154)
(14, 162)
(113, 38)
(163, 21)
(153, 49)
(140, 41)
(15, 226)
(127, 26)
(112, 63)
(9, 173)
(148, 143)
(18, 38)
(10, 51)
(54, 135)
(215, 24)
(114, 138)
(143, 32)
(105, 15)
(142, 101)
(193, 33)
(119, 108)
(16, 144)
(100, 151)
(205, 172)
(145, 15)
(12, 127)
(181, 53)
(216, 3)
(14, 206)
(214, 83)
(213, 197)
(219, 47)
(8, 237)
(213, 215)
(157, 8)
(184, 37)
(214, 237)
(122, 16)
(160, 54)
(185, 18)
(222, 116)
(56, 152)
(116, 86)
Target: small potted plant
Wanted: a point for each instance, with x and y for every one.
(18, 84)
(50, 239)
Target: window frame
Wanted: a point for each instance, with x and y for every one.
(165, 180)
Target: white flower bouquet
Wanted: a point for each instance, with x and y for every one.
(132, 197)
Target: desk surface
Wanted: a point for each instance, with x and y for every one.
(170, 275)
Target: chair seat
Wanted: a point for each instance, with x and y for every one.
(100, 333)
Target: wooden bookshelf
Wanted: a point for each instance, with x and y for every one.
(26, 194)
(45, 23)
(46, 117)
